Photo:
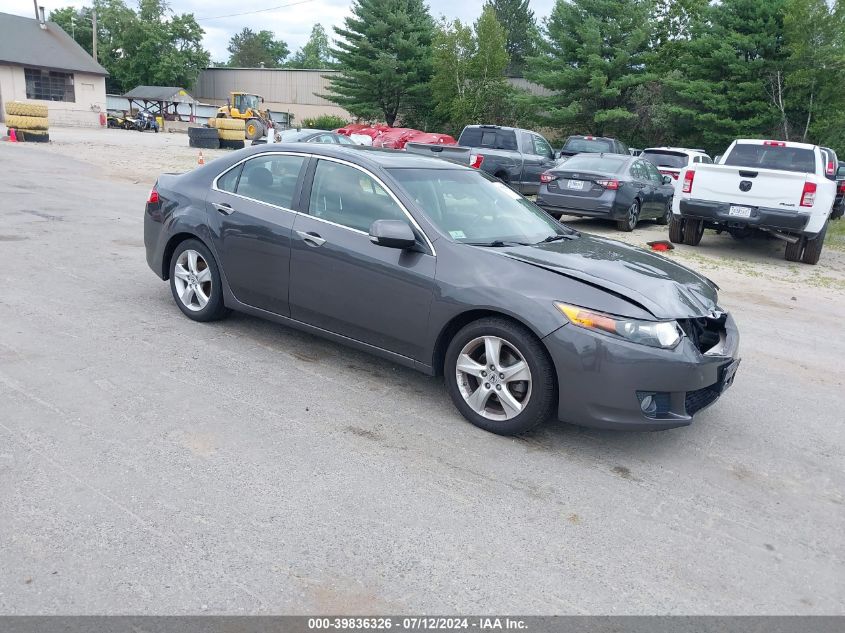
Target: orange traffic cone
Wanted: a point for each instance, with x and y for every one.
(13, 137)
(200, 159)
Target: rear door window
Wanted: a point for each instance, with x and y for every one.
(492, 138)
(780, 157)
(271, 178)
(229, 180)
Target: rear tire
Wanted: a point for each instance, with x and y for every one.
(676, 229)
(633, 216)
(663, 220)
(536, 394)
(196, 266)
(693, 231)
(794, 251)
(813, 249)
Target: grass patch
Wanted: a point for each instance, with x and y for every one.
(835, 237)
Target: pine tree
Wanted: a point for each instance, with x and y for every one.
(593, 58)
(384, 56)
(722, 84)
(521, 29)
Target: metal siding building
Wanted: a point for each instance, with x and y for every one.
(283, 89)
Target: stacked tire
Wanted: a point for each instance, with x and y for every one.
(203, 138)
(230, 132)
(29, 120)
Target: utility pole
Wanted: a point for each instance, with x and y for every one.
(94, 29)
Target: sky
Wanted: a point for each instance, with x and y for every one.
(290, 20)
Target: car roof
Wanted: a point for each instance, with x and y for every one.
(362, 155)
(591, 137)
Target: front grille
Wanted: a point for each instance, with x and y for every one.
(696, 400)
(705, 332)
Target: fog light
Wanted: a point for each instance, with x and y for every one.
(648, 405)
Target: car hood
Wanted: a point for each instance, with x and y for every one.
(665, 289)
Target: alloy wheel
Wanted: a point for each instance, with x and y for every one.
(633, 215)
(493, 378)
(192, 278)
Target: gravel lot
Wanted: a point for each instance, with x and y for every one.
(150, 464)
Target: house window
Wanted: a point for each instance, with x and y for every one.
(48, 85)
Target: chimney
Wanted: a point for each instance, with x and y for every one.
(42, 21)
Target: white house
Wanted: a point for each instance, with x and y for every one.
(40, 63)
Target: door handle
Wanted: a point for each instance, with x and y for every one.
(223, 208)
(312, 239)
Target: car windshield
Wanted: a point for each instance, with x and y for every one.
(772, 157)
(475, 208)
(611, 164)
(593, 146)
(675, 160)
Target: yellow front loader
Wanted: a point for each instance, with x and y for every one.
(242, 105)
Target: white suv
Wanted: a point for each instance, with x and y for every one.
(671, 160)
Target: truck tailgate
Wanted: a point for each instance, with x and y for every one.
(453, 153)
(770, 188)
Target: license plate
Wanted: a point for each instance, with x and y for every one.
(729, 373)
(739, 212)
(575, 184)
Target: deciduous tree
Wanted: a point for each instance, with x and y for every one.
(250, 49)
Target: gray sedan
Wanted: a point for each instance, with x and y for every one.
(444, 269)
(613, 186)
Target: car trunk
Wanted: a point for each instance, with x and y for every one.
(580, 189)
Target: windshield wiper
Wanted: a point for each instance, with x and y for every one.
(497, 243)
(559, 236)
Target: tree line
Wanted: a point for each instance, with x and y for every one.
(693, 73)
(651, 72)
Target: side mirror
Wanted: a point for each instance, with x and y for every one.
(392, 234)
(667, 180)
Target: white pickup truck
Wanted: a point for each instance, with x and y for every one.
(774, 186)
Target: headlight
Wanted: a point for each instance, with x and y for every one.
(665, 334)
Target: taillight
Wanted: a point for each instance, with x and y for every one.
(590, 138)
(774, 143)
(688, 178)
(547, 176)
(475, 161)
(808, 198)
(830, 168)
(674, 174)
(609, 184)
(153, 197)
(841, 186)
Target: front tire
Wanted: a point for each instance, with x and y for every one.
(794, 250)
(195, 282)
(254, 129)
(500, 377)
